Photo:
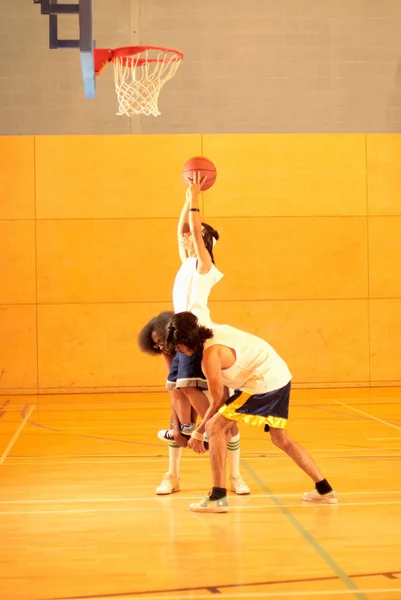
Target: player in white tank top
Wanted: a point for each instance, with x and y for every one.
(198, 273)
(192, 289)
(261, 382)
(257, 368)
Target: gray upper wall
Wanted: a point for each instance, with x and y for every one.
(251, 66)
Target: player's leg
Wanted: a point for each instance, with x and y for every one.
(255, 409)
(179, 401)
(237, 484)
(323, 492)
(218, 431)
(192, 382)
(276, 417)
(197, 399)
(185, 413)
(171, 480)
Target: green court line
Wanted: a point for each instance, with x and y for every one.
(308, 537)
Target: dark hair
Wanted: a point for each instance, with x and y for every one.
(184, 329)
(158, 326)
(208, 234)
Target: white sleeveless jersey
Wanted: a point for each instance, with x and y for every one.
(191, 290)
(257, 368)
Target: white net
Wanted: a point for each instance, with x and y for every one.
(140, 77)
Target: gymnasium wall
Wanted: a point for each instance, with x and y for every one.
(260, 66)
(310, 246)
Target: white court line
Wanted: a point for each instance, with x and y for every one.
(16, 434)
(300, 504)
(164, 448)
(179, 498)
(265, 452)
(43, 461)
(194, 596)
(248, 458)
(368, 415)
(107, 462)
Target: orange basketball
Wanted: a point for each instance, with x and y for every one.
(204, 166)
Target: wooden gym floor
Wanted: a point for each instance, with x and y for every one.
(79, 518)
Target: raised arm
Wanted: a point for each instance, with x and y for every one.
(183, 226)
(195, 224)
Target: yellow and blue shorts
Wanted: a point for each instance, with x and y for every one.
(260, 410)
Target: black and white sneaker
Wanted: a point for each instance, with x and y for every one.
(167, 435)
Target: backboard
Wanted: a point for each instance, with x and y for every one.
(83, 12)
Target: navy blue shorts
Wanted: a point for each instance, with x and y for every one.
(186, 371)
(260, 410)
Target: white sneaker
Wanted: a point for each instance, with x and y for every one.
(210, 506)
(330, 498)
(239, 486)
(169, 485)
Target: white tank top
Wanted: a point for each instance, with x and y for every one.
(191, 290)
(257, 368)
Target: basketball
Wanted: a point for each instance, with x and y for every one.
(204, 166)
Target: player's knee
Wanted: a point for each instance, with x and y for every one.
(210, 430)
(191, 392)
(213, 427)
(279, 438)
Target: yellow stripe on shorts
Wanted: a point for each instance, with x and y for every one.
(255, 420)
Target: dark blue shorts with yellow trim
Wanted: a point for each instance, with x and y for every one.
(186, 371)
(260, 410)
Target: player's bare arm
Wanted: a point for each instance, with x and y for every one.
(195, 223)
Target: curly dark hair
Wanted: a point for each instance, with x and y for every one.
(208, 234)
(157, 325)
(184, 329)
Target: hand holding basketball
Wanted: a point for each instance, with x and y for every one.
(195, 183)
(202, 166)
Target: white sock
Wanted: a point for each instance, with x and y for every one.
(233, 455)
(174, 458)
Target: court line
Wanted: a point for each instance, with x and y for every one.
(283, 507)
(102, 461)
(300, 593)
(176, 498)
(351, 585)
(91, 437)
(368, 415)
(235, 586)
(123, 441)
(345, 452)
(17, 433)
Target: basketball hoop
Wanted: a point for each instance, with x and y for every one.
(139, 74)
